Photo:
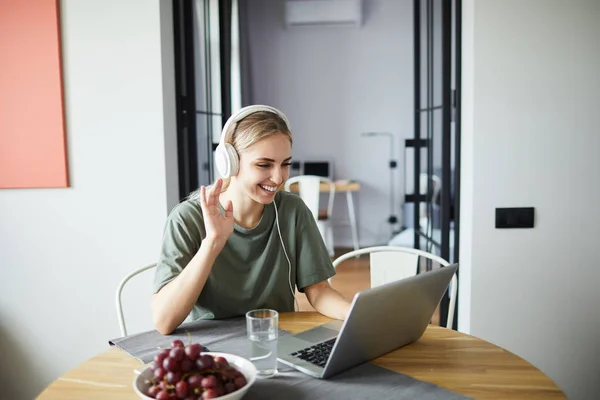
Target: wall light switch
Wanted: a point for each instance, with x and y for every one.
(522, 217)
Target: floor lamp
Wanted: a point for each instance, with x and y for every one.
(393, 218)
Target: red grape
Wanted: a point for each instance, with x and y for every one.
(221, 361)
(177, 343)
(177, 353)
(210, 394)
(159, 373)
(160, 357)
(186, 365)
(170, 364)
(181, 388)
(230, 387)
(209, 382)
(173, 377)
(205, 362)
(228, 374)
(153, 391)
(240, 382)
(193, 351)
(195, 381)
(162, 395)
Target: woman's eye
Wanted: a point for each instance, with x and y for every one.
(269, 165)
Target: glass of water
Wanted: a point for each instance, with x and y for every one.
(262, 326)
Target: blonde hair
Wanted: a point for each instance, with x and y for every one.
(245, 133)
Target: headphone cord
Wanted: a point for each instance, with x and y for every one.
(286, 256)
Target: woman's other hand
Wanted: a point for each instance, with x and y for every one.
(218, 227)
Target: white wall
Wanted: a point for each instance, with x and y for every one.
(334, 83)
(65, 250)
(530, 138)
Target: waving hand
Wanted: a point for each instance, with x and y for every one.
(218, 227)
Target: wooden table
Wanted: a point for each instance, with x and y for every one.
(455, 361)
(349, 187)
(340, 186)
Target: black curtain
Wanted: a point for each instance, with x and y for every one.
(185, 96)
(225, 54)
(245, 61)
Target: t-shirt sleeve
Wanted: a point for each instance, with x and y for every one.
(180, 243)
(313, 264)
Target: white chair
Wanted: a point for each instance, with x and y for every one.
(392, 263)
(309, 189)
(119, 305)
(426, 221)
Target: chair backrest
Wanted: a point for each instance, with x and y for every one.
(391, 263)
(309, 189)
(118, 302)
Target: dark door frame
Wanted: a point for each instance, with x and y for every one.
(185, 96)
(450, 105)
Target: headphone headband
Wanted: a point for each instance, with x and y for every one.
(245, 111)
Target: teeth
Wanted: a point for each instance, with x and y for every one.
(269, 188)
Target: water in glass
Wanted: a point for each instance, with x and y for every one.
(263, 352)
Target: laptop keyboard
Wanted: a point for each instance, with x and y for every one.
(316, 354)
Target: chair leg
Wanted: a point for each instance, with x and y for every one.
(330, 241)
(327, 235)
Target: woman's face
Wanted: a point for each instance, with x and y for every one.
(264, 166)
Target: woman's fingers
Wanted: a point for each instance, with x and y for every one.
(215, 191)
(209, 198)
(203, 197)
(229, 209)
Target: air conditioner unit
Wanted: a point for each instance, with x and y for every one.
(323, 12)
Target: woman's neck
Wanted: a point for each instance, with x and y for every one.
(247, 213)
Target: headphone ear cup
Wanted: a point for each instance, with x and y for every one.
(233, 158)
(226, 160)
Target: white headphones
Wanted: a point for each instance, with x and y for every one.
(226, 157)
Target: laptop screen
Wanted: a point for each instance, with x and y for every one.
(319, 168)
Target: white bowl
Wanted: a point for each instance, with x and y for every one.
(240, 363)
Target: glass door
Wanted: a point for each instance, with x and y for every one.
(433, 153)
(207, 83)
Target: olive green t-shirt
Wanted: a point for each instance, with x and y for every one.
(252, 270)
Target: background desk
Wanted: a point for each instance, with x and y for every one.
(343, 186)
(450, 359)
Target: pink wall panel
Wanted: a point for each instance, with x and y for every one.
(32, 127)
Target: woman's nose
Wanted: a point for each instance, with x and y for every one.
(278, 175)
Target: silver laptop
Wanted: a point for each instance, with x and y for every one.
(381, 319)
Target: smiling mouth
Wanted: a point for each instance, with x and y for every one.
(269, 189)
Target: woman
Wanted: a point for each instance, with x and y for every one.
(242, 244)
